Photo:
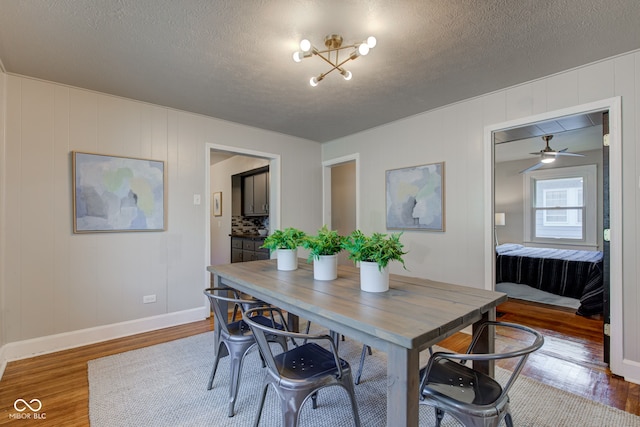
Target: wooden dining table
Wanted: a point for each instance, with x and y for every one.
(414, 314)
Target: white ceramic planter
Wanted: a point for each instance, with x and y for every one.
(326, 267)
(287, 259)
(372, 279)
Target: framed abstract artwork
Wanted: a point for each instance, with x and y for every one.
(216, 204)
(415, 198)
(117, 194)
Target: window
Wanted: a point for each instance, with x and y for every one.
(561, 205)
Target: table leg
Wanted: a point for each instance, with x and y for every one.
(293, 321)
(486, 343)
(402, 386)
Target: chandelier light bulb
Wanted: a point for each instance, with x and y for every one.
(346, 74)
(363, 49)
(314, 81)
(297, 57)
(305, 45)
(372, 42)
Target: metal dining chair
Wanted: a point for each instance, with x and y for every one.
(472, 397)
(300, 373)
(236, 338)
(365, 349)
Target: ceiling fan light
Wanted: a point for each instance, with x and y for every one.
(548, 159)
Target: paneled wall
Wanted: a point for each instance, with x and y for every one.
(454, 134)
(54, 281)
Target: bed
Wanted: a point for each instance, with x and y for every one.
(569, 273)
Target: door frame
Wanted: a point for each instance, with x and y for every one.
(614, 106)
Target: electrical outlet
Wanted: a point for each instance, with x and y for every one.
(196, 199)
(147, 299)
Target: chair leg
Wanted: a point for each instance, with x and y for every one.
(265, 387)
(439, 416)
(362, 356)
(291, 403)
(236, 368)
(508, 420)
(215, 366)
(348, 385)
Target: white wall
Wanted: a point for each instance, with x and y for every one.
(454, 134)
(221, 181)
(509, 196)
(3, 168)
(54, 281)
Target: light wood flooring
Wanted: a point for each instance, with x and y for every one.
(571, 360)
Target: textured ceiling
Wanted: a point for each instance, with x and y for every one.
(231, 59)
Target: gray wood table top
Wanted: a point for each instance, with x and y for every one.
(414, 313)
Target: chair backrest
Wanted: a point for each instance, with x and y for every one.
(533, 339)
(220, 298)
(261, 332)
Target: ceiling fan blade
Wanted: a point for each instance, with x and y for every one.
(562, 153)
(532, 168)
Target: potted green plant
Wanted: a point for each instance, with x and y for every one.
(323, 251)
(374, 253)
(285, 243)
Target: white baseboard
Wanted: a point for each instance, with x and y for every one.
(64, 341)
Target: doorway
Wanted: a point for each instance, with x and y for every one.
(221, 163)
(492, 132)
(340, 197)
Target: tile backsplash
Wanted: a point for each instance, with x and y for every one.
(248, 224)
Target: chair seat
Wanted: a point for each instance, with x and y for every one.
(307, 361)
(461, 383)
(240, 327)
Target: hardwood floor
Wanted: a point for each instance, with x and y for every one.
(571, 359)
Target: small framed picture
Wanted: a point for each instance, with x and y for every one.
(216, 202)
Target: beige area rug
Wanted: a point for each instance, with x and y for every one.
(165, 385)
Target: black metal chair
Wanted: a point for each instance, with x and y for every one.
(365, 349)
(471, 397)
(298, 374)
(236, 336)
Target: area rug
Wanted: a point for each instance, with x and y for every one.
(166, 385)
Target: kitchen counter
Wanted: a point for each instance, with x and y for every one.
(247, 236)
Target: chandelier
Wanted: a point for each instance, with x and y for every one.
(331, 54)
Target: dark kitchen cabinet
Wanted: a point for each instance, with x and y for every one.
(245, 249)
(255, 194)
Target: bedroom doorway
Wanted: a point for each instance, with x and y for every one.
(515, 148)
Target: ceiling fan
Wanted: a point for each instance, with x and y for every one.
(548, 155)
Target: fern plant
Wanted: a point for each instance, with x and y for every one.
(326, 242)
(379, 248)
(289, 238)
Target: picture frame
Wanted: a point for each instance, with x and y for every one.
(216, 203)
(118, 194)
(415, 197)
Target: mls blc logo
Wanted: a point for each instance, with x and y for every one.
(34, 406)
